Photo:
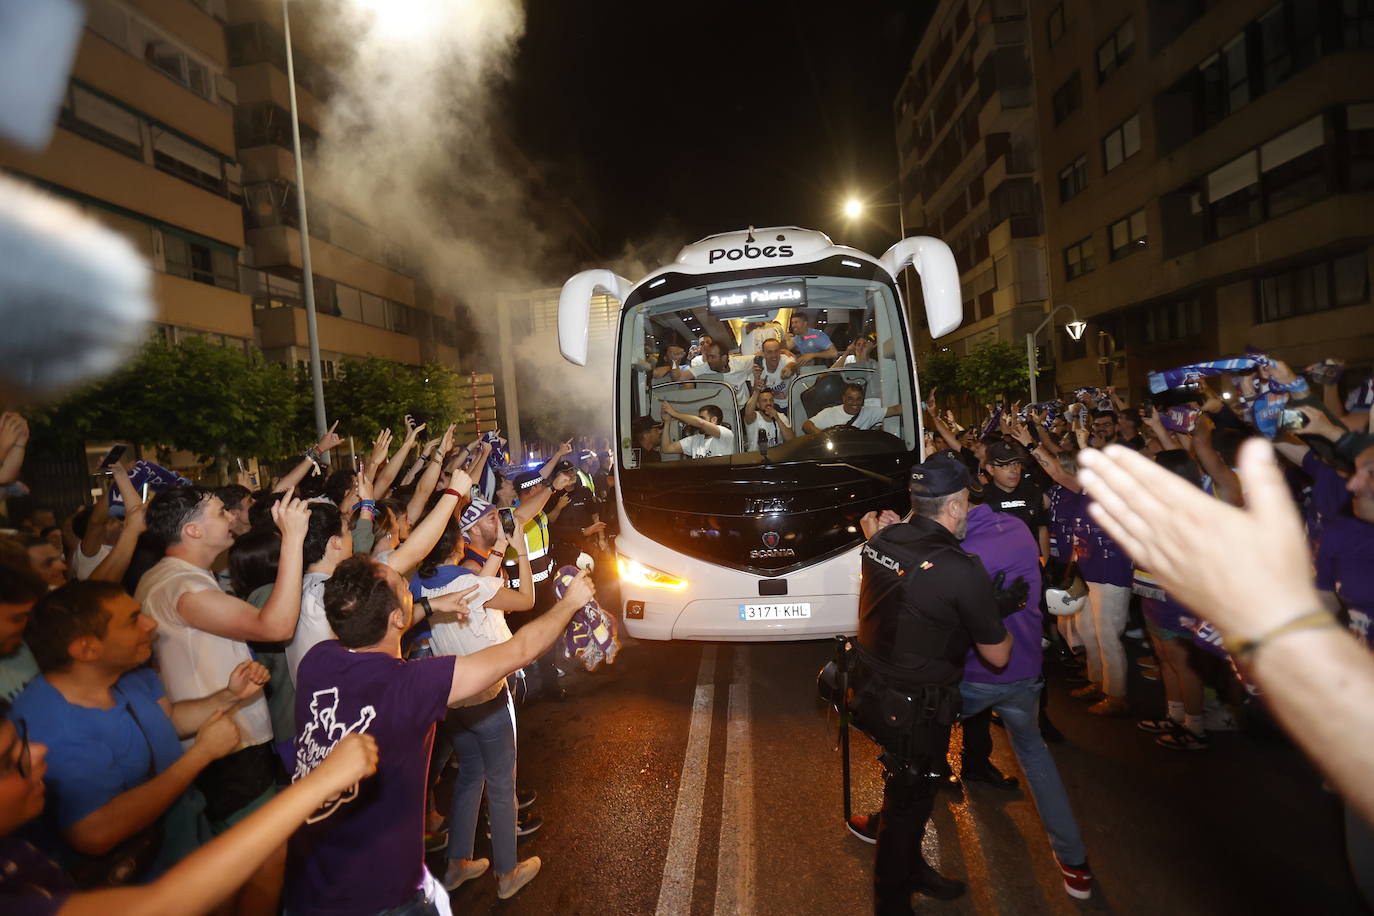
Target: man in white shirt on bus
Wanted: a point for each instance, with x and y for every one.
(851, 411)
(714, 438)
(764, 424)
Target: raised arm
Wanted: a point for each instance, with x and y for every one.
(563, 451)
(14, 443)
(134, 809)
(426, 534)
(945, 433)
(706, 426)
(116, 562)
(480, 670)
(751, 406)
(224, 615)
(1226, 482)
(382, 483)
(207, 877)
(434, 468)
(313, 454)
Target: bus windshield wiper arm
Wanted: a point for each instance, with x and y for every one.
(865, 471)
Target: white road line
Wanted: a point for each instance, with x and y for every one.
(679, 871)
(735, 867)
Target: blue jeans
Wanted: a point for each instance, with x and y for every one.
(1018, 703)
(485, 744)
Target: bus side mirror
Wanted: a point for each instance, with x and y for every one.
(939, 279)
(574, 309)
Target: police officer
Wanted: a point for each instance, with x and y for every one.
(923, 602)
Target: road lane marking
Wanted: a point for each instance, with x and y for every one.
(735, 867)
(679, 871)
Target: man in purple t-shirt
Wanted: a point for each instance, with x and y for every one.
(363, 851)
(1345, 554)
(1006, 546)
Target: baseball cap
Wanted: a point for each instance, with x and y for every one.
(938, 475)
(644, 424)
(474, 512)
(1003, 452)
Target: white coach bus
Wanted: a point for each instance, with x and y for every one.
(760, 543)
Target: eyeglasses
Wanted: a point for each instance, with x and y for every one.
(24, 762)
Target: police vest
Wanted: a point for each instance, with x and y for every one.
(537, 541)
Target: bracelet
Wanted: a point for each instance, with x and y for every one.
(367, 504)
(1245, 649)
(424, 603)
(312, 453)
(449, 491)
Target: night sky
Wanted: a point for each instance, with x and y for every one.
(680, 120)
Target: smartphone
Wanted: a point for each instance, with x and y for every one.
(239, 461)
(144, 492)
(1292, 420)
(507, 516)
(758, 361)
(111, 459)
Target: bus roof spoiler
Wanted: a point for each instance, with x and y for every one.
(574, 308)
(934, 262)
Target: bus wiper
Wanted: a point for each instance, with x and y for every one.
(883, 478)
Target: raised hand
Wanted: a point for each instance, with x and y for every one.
(247, 679)
(565, 448)
(381, 447)
(453, 607)
(459, 480)
(580, 590)
(352, 759)
(329, 439)
(292, 517)
(136, 519)
(218, 735)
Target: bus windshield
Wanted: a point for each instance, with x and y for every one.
(753, 368)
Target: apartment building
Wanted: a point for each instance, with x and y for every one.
(966, 142)
(145, 144)
(1208, 169)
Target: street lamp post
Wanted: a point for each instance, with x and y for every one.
(853, 208)
(308, 280)
(1075, 329)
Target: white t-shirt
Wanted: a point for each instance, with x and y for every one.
(482, 629)
(835, 416)
(753, 341)
(772, 430)
(313, 627)
(773, 381)
(193, 663)
(83, 565)
(701, 445)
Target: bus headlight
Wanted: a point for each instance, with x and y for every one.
(636, 573)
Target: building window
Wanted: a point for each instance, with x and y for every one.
(1233, 196)
(1166, 321)
(1127, 235)
(1078, 258)
(1359, 131)
(1073, 179)
(1056, 24)
(1293, 168)
(1314, 287)
(1225, 79)
(1068, 98)
(101, 120)
(187, 161)
(1115, 51)
(1121, 144)
(203, 263)
(1358, 16)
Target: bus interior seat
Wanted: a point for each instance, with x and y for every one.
(827, 392)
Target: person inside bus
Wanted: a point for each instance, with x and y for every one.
(645, 431)
(714, 438)
(858, 355)
(764, 425)
(778, 367)
(851, 411)
(672, 364)
(811, 345)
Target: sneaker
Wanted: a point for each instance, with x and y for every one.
(1078, 880)
(1219, 718)
(524, 799)
(988, 774)
(509, 884)
(1134, 633)
(935, 885)
(864, 826)
(1157, 726)
(1147, 661)
(1150, 674)
(1183, 739)
(1110, 706)
(526, 822)
(462, 870)
(1088, 691)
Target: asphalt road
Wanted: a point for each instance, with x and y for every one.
(705, 778)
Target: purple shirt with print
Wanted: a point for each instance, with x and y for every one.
(363, 852)
(1100, 559)
(1005, 544)
(1329, 495)
(1345, 565)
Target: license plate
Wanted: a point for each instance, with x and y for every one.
(774, 611)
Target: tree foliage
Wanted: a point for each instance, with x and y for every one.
(993, 370)
(218, 402)
(938, 372)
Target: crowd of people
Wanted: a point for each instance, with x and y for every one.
(247, 698)
(1088, 517)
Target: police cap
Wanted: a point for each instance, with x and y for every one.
(938, 475)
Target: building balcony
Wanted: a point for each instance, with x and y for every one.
(286, 327)
(188, 304)
(279, 247)
(263, 82)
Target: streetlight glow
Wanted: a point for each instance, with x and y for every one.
(1076, 329)
(852, 208)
